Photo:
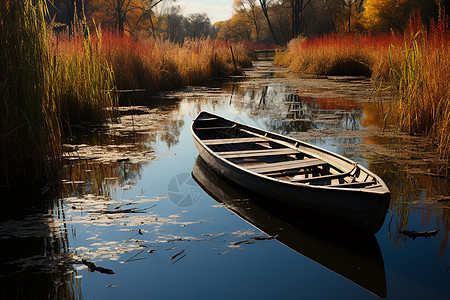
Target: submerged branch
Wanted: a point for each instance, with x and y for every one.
(123, 211)
(414, 234)
(178, 254)
(92, 267)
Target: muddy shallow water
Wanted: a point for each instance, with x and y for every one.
(139, 216)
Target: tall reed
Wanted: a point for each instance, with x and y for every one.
(363, 54)
(83, 77)
(421, 83)
(414, 64)
(43, 89)
(157, 65)
(29, 128)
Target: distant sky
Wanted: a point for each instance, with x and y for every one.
(217, 10)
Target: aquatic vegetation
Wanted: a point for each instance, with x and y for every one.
(413, 66)
(333, 54)
(51, 80)
(84, 79)
(42, 90)
(420, 81)
(29, 127)
(157, 65)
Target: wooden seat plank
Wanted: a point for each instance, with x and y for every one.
(212, 142)
(356, 184)
(256, 153)
(286, 165)
(320, 178)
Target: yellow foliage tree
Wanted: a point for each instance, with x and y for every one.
(237, 28)
(122, 15)
(385, 15)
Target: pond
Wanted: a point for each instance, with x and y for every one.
(140, 216)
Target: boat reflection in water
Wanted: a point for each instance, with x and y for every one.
(353, 255)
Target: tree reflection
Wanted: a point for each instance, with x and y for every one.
(284, 112)
(101, 160)
(35, 262)
(417, 188)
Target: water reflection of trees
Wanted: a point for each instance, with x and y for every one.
(284, 112)
(415, 196)
(100, 160)
(415, 190)
(171, 134)
(35, 261)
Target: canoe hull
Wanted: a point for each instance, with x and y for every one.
(356, 257)
(365, 210)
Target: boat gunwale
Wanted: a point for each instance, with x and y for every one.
(384, 191)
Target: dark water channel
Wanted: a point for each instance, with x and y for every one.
(140, 217)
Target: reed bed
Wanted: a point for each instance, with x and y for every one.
(29, 130)
(413, 65)
(421, 84)
(43, 89)
(157, 65)
(83, 78)
(340, 55)
(52, 80)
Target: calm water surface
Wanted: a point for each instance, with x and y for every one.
(138, 202)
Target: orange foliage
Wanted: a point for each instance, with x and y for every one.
(340, 55)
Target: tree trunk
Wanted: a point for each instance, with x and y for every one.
(266, 14)
(298, 7)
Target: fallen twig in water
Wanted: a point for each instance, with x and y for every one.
(414, 234)
(263, 237)
(131, 258)
(141, 258)
(138, 233)
(92, 267)
(122, 205)
(179, 253)
(179, 258)
(256, 238)
(247, 241)
(123, 211)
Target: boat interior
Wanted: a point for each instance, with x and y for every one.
(260, 153)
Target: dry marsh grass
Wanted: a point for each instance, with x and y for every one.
(358, 55)
(157, 65)
(29, 130)
(51, 80)
(420, 81)
(43, 89)
(414, 66)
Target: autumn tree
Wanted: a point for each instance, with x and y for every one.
(146, 15)
(174, 25)
(333, 9)
(265, 5)
(198, 25)
(249, 9)
(297, 12)
(353, 10)
(235, 29)
(122, 15)
(281, 21)
(67, 12)
(385, 15)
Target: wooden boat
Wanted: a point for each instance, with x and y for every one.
(356, 256)
(292, 171)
